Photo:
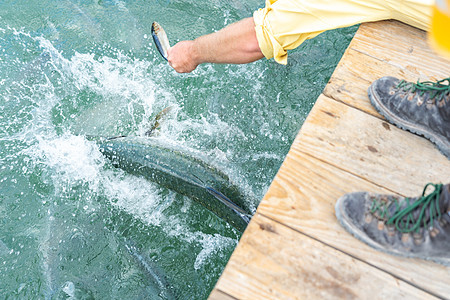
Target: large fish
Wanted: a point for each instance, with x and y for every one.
(179, 171)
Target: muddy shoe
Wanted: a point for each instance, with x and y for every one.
(422, 107)
(411, 227)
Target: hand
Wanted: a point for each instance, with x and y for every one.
(182, 57)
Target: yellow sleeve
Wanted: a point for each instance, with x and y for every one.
(285, 24)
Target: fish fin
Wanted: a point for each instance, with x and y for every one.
(156, 124)
(200, 182)
(225, 200)
(97, 138)
(116, 137)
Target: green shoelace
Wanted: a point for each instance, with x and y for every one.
(403, 218)
(437, 89)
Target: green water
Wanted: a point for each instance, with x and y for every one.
(74, 227)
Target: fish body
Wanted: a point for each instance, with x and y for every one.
(181, 172)
(160, 39)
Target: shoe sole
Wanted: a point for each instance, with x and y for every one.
(360, 235)
(441, 142)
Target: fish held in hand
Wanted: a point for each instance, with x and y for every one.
(160, 39)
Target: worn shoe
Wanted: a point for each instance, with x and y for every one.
(422, 107)
(411, 227)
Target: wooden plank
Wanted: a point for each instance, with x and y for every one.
(383, 49)
(344, 146)
(355, 74)
(369, 154)
(402, 46)
(219, 295)
(273, 261)
(375, 150)
(303, 196)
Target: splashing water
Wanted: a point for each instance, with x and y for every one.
(75, 68)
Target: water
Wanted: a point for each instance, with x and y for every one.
(74, 227)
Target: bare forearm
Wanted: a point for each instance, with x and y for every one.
(235, 44)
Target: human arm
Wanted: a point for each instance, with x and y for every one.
(235, 44)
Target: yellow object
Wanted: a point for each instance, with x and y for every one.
(285, 24)
(440, 27)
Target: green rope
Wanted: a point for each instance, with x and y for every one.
(403, 218)
(437, 89)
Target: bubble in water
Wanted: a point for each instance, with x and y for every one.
(69, 289)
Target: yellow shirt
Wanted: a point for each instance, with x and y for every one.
(285, 24)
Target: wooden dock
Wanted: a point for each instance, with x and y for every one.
(294, 247)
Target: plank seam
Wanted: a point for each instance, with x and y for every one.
(225, 293)
(354, 257)
(330, 96)
(374, 57)
(347, 171)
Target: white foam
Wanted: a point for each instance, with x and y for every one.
(212, 244)
(69, 289)
(71, 160)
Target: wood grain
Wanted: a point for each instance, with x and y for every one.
(402, 46)
(273, 261)
(387, 48)
(303, 196)
(219, 295)
(294, 248)
(376, 151)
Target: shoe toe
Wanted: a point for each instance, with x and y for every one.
(350, 209)
(382, 89)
